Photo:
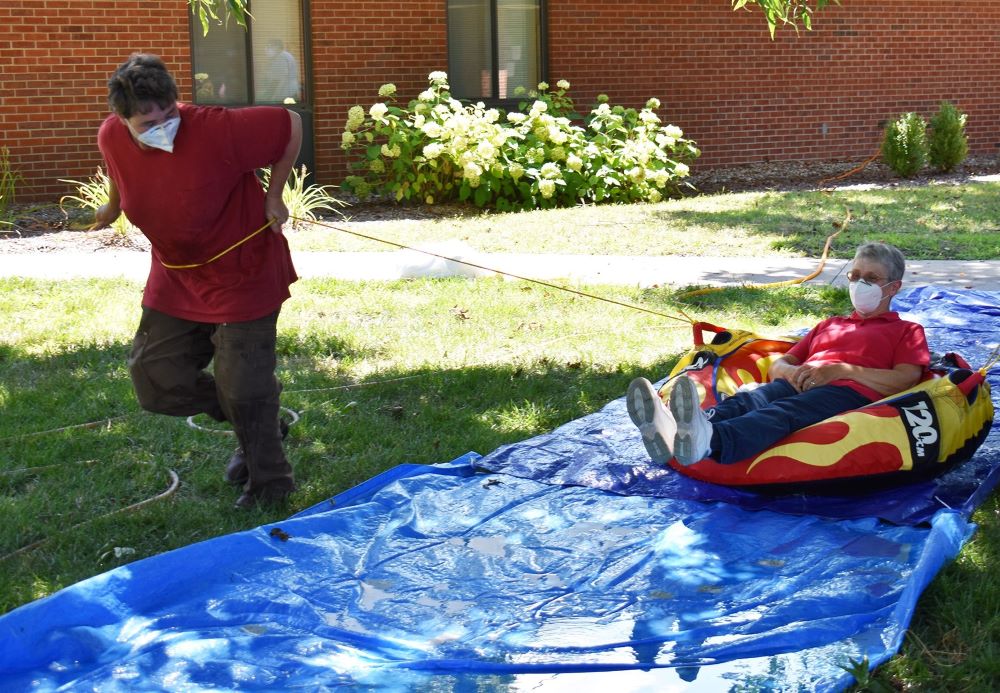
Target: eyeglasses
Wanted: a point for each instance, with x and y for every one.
(855, 276)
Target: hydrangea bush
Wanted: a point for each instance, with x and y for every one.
(438, 149)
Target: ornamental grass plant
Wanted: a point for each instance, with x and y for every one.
(438, 149)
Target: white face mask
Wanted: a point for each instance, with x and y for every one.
(161, 136)
(865, 297)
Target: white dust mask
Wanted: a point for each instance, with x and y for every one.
(865, 297)
(161, 136)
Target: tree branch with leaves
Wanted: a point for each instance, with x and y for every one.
(776, 12)
(786, 12)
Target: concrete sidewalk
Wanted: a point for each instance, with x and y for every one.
(573, 269)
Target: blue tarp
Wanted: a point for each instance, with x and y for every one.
(447, 577)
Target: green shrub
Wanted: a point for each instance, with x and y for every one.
(437, 149)
(904, 148)
(947, 144)
(91, 194)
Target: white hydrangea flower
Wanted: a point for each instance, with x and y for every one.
(562, 84)
(574, 163)
(653, 103)
(499, 139)
(427, 95)
(636, 174)
(472, 170)
(515, 170)
(355, 117)
(491, 116)
(603, 109)
(347, 138)
(390, 152)
(433, 150)
(542, 86)
(539, 107)
(419, 120)
(550, 170)
(672, 131)
(557, 153)
(547, 188)
(681, 169)
(664, 142)
(432, 129)
(654, 195)
(649, 118)
(438, 76)
(517, 118)
(387, 90)
(557, 135)
(377, 166)
(486, 150)
(378, 111)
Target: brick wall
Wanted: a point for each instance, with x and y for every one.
(743, 98)
(55, 59)
(820, 95)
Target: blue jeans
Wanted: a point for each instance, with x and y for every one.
(750, 422)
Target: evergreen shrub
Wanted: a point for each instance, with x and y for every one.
(904, 147)
(947, 144)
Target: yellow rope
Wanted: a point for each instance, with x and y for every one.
(231, 248)
(558, 287)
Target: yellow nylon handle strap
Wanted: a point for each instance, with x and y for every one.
(234, 246)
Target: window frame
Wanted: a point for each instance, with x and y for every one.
(543, 57)
(305, 103)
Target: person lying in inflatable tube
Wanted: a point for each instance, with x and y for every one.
(813, 418)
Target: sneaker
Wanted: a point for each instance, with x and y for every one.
(694, 430)
(236, 468)
(647, 412)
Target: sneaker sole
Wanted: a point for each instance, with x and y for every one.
(642, 410)
(684, 403)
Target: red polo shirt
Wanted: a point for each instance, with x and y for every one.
(883, 341)
(199, 200)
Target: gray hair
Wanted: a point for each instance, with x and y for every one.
(886, 255)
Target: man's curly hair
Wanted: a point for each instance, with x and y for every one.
(140, 81)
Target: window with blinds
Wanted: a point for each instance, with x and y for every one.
(494, 46)
(261, 64)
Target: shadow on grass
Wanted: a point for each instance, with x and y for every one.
(926, 222)
(61, 483)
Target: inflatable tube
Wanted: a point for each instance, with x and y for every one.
(911, 436)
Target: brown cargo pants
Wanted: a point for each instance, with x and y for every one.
(167, 364)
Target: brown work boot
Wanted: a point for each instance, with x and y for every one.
(236, 468)
(271, 494)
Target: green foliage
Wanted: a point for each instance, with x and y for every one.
(787, 12)
(9, 180)
(904, 147)
(219, 11)
(304, 202)
(437, 149)
(947, 144)
(92, 194)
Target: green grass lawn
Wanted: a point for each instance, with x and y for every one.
(933, 222)
(384, 373)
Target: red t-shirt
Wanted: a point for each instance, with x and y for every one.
(883, 341)
(199, 200)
